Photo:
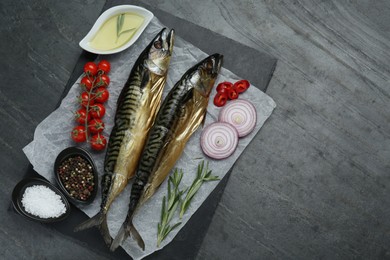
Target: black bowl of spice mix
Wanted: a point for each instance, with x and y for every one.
(37, 199)
(76, 175)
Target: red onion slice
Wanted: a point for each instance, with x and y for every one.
(219, 140)
(241, 114)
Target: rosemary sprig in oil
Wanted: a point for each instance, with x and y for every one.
(120, 20)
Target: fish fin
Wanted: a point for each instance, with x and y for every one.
(204, 118)
(99, 221)
(145, 79)
(188, 95)
(126, 229)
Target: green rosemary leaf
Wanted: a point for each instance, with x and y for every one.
(121, 21)
(162, 210)
(172, 210)
(169, 191)
(200, 170)
(118, 24)
(212, 178)
(174, 226)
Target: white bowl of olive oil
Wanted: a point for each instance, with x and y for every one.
(116, 29)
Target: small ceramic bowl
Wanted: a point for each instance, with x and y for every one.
(17, 195)
(105, 16)
(73, 152)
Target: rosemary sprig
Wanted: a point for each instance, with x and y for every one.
(119, 24)
(120, 20)
(201, 177)
(169, 207)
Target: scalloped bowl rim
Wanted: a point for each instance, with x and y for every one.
(84, 43)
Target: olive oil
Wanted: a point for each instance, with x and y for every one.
(116, 31)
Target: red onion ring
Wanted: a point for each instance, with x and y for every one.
(219, 140)
(241, 114)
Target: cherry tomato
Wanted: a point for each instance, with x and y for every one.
(79, 134)
(103, 81)
(86, 82)
(90, 68)
(104, 66)
(85, 98)
(81, 116)
(97, 110)
(96, 126)
(224, 85)
(220, 99)
(241, 86)
(101, 95)
(98, 142)
(232, 93)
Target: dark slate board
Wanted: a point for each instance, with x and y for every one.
(258, 69)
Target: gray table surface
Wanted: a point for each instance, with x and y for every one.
(315, 181)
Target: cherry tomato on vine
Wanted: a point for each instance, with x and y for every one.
(224, 85)
(86, 82)
(220, 99)
(96, 126)
(104, 66)
(241, 86)
(97, 110)
(90, 68)
(81, 116)
(98, 142)
(101, 95)
(86, 99)
(232, 93)
(103, 81)
(78, 134)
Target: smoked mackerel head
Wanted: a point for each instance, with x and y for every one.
(202, 76)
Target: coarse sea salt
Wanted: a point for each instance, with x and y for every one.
(42, 202)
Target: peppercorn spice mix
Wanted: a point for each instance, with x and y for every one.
(76, 175)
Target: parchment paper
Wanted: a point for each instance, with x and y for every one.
(52, 135)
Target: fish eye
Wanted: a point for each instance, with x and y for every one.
(157, 44)
(209, 65)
